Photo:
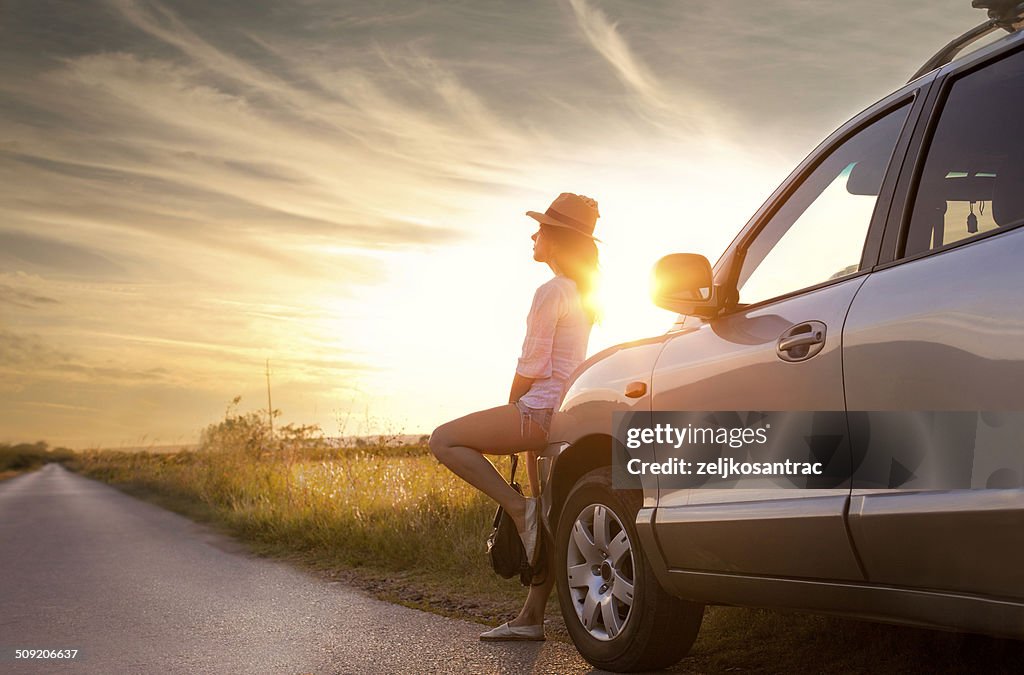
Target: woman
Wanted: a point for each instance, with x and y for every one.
(557, 330)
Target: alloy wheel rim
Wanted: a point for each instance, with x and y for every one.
(600, 571)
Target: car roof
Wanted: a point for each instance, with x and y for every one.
(1009, 18)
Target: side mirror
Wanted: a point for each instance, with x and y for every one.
(682, 283)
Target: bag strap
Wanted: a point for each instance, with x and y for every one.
(512, 472)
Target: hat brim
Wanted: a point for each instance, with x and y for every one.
(545, 219)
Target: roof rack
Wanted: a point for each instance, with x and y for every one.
(1005, 14)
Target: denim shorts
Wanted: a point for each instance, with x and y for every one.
(539, 416)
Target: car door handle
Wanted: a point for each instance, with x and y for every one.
(636, 389)
(801, 341)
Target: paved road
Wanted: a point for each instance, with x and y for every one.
(142, 590)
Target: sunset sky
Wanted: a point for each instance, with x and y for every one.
(190, 188)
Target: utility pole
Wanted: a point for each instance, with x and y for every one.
(270, 406)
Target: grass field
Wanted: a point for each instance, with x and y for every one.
(389, 518)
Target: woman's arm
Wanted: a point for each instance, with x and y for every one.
(535, 363)
(521, 385)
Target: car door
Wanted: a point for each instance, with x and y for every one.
(938, 333)
(803, 260)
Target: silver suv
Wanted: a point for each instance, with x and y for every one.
(885, 274)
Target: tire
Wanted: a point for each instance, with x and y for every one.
(614, 626)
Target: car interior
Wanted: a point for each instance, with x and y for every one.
(973, 178)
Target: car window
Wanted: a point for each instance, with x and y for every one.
(972, 177)
(818, 233)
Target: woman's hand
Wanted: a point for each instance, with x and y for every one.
(520, 385)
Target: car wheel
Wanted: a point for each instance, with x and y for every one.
(617, 614)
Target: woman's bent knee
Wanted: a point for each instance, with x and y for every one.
(439, 441)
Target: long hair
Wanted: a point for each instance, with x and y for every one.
(576, 255)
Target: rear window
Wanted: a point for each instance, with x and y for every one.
(973, 178)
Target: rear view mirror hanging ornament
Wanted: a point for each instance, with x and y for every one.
(972, 221)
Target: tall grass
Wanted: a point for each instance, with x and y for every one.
(381, 506)
(27, 456)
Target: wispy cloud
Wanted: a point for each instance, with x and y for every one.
(675, 107)
(23, 249)
(604, 36)
(21, 350)
(24, 299)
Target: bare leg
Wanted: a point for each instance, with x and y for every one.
(460, 445)
(532, 613)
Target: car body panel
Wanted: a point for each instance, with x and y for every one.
(599, 390)
(876, 602)
(583, 423)
(731, 363)
(944, 337)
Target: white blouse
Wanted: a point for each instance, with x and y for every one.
(557, 331)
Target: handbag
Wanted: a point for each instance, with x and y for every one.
(504, 547)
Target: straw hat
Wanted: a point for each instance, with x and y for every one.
(574, 212)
